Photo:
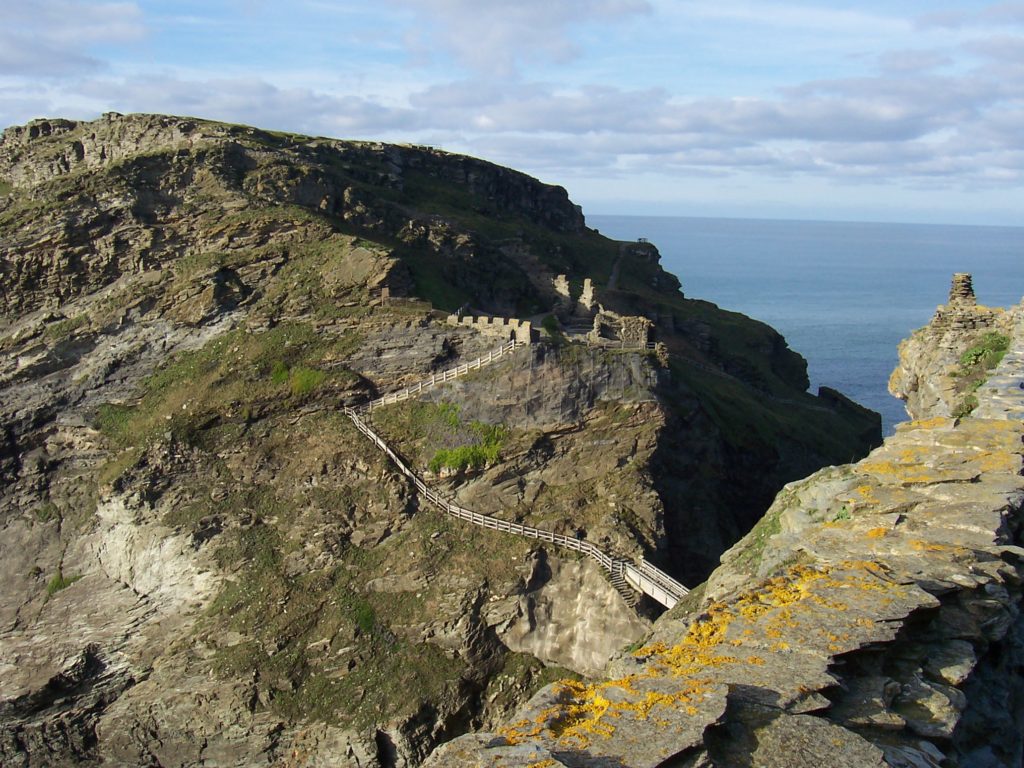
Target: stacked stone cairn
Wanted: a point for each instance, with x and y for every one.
(962, 313)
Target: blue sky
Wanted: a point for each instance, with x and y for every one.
(778, 109)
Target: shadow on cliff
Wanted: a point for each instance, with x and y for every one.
(727, 450)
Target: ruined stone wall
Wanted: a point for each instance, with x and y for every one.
(504, 328)
(630, 330)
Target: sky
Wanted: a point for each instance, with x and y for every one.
(868, 110)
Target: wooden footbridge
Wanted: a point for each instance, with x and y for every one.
(625, 575)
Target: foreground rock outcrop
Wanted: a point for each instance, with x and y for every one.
(205, 563)
(873, 617)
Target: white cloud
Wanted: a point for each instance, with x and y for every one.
(53, 37)
(787, 16)
(495, 37)
(995, 15)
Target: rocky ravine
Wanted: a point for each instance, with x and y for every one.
(873, 617)
(205, 564)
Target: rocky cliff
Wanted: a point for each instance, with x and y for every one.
(871, 618)
(942, 364)
(205, 563)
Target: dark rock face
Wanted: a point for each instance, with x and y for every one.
(203, 561)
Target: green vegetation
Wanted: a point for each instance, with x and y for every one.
(47, 511)
(842, 514)
(302, 380)
(754, 543)
(5, 187)
(751, 419)
(975, 364)
(319, 644)
(551, 327)
(279, 372)
(465, 457)
(431, 283)
(234, 378)
(63, 328)
(987, 354)
(438, 431)
(59, 582)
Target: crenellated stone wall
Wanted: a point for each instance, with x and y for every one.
(504, 328)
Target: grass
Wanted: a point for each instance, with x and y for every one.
(465, 457)
(438, 431)
(302, 381)
(64, 328)
(235, 378)
(332, 657)
(987, 354)
(46, 512)
(60, 582)
(432, 284)
(749, 419)
(974, 366)
(5, 187)
(754, 543)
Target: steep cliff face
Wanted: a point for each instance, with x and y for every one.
(871, 618)
(204, 561)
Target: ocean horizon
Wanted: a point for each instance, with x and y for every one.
(843, 293)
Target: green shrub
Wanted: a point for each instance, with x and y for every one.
(842, 514)
(988, 353)
(550, 324)
(965, 407)
(47, 511)
(59, 582)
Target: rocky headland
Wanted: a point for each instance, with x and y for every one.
(871, 618)
(204, 561)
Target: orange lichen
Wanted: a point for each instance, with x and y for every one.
(998, 461)
(586, 712)
(932, 423)
(866, 492)
(930, 546)
(877, 533)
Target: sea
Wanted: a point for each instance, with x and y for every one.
(842, 293)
